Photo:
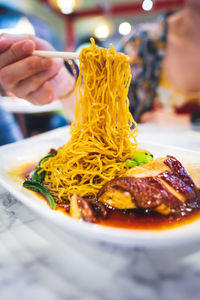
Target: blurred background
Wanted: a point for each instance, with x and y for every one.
(68, 25)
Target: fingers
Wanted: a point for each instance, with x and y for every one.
(62, 83)
(43, 95)
(39, 80)
(16, 52)
(7, 40)
(33, 83)
(14, 73)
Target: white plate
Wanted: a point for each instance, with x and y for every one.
(17, 105)
(34, 148)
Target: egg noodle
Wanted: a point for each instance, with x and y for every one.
(101, 135)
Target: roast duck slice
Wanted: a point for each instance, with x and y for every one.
(163, 185)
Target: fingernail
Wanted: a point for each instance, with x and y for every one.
(47, 63)
(27, 47)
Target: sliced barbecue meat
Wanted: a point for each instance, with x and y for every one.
(163, 185)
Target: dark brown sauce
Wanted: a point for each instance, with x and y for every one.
(132, 219)
(148, 221)
(139, 221)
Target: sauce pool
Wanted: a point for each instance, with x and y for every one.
(148, 221)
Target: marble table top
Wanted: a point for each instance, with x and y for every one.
(40, 261)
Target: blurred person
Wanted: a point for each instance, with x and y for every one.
(165, 64)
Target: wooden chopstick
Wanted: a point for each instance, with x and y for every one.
(58, 54)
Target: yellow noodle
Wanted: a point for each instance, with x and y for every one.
(101, 138)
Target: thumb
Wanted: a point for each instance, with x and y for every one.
(16, 52)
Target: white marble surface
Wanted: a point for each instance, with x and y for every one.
(40, 261)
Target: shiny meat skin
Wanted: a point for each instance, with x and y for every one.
(169, 189)
(146, 192)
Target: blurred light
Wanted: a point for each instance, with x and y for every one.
(23, 26)
(147, 5)
(66, 6)
(124, 28)
(102, 30)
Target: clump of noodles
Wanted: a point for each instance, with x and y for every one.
(101, 138)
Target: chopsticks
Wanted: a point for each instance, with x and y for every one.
(62, 54)
(58, 54)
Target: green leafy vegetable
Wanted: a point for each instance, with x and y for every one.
(140, 158)
(35, 186)
(45, 158)
(38, 174)
(131, 163)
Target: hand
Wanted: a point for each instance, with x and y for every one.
(36, 79)
(163, 118)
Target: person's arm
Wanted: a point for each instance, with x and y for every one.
(36, 79)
